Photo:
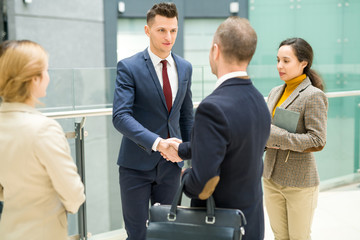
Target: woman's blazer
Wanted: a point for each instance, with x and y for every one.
(298, 169)
(38, 178)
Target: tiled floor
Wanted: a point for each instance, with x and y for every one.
(337, 217)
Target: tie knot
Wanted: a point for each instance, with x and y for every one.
(164, 63)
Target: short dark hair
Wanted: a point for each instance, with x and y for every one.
(165, 9)
(236, 39)
(304, 52)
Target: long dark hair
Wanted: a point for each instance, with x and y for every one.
(303, 51)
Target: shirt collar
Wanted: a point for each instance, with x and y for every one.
(228, 76)
(156, 60)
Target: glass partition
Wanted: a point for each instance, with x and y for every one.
(81, 89)
(328, 25)
(74, 89)
(340, 157)
(60, 92)
(131, 37)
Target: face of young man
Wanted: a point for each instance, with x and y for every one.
(162, 32)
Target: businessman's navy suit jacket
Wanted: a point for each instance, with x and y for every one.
(140, 112)
(230, 131)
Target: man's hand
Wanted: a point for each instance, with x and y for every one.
(169, 149)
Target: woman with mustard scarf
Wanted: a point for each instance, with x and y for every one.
(291, 179)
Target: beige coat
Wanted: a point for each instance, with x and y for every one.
(38, 178)
(300, 169)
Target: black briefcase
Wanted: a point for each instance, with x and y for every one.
(172, 222)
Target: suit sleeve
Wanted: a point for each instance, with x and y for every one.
(123, 119)
(184, 150)
(208, 145)
(52, 150)
(315, 119)
(187, 111)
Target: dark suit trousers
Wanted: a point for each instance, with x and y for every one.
(138, 187)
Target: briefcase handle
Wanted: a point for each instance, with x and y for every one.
(210, 206)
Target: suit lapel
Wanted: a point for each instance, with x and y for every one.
(304, 84)
(154, 77)
(181, 78)
(274, 100)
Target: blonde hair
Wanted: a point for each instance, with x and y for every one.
(20, 62)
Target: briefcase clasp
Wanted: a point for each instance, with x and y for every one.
(210, 220)
(171, 217)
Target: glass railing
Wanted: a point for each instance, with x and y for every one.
(87, 93)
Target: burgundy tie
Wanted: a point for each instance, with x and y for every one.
(166, 86)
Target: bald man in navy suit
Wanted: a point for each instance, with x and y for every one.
(230, 131)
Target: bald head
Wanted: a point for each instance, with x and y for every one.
(236, 40)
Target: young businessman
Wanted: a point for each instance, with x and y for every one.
(152, 102)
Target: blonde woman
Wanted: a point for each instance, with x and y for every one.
(39, 182)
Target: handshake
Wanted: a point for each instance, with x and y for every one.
(168, 149)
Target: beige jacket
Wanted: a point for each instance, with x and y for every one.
(300, 169)
(38, 178)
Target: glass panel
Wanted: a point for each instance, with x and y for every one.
(71, 89)
(351, 39)
(203, 83)
(102, 179)
(131, 37)
(92, 87)
(60, 92)
(328, 25)
(338, 157)
(196, 50)
(197, 86)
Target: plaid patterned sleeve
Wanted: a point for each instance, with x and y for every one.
(310, 135)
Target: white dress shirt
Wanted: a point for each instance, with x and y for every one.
(171, 70)
(173, 78)
(230, 75)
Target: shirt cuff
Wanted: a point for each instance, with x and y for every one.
(156, 143)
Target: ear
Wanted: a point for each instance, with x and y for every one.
(147, 30)
(303, 64)
(35, 80)
(216, 51)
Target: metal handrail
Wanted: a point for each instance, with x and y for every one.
(343, 94)
(79, 113)
(108, 111)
